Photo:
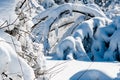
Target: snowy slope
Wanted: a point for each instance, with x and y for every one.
(80, 70)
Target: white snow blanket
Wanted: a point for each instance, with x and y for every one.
(11, 63)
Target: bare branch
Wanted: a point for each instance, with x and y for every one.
(38, 22)
(62, 25)
(22, 3)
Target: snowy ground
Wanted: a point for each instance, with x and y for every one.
(81, 70)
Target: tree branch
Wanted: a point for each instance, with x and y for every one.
(62, 25)
(22, 3)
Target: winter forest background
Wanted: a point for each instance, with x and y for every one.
(59, 39)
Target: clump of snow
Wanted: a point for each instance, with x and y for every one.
(12, 63)
(67, 43)
(11, 40)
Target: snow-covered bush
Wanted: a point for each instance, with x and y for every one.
(85, 36)
(113, 50)
(94, 31)
(44, 21)
(11, 62)
(97, 38)
(30, 53)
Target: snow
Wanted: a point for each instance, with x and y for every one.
(117, 21)
(76, 42)
(72, 70)
(12, 63)
(11, 40)
(87, 9)
(69, 42)
(34, 3)
(59, 41)
(111, 54)
(55, 12)
(77, 21)
(7, 8)
(48, 3)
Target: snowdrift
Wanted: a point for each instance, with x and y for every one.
(81, 70)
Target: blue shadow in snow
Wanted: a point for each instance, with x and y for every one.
(90, 75)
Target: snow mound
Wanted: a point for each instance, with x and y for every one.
(12, 63)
